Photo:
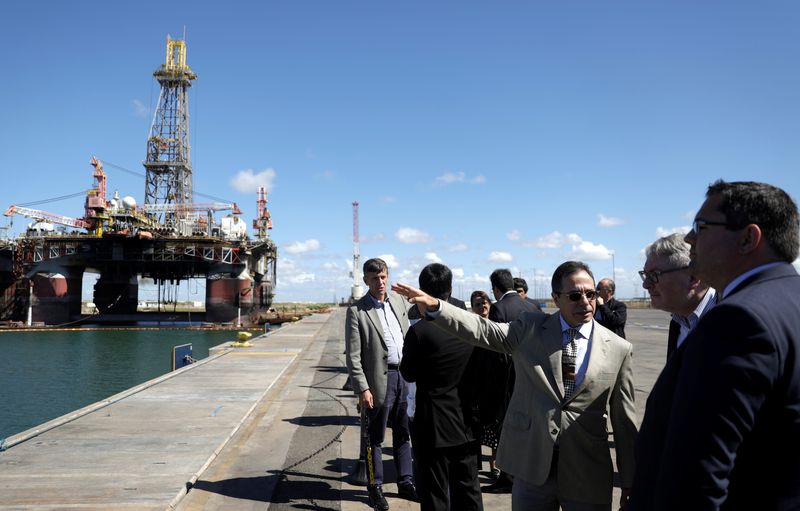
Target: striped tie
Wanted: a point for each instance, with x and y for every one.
(568, 355)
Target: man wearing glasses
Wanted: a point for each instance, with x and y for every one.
(673, 288)
(572, 374)
(722, 422)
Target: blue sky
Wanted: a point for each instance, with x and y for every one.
(479, 134)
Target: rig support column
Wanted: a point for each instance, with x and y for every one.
(56, 296)
(229, 297)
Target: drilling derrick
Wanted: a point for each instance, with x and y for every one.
(168, 166)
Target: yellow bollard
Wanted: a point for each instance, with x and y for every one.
(242, 340)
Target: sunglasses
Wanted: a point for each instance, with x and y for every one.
(653, 275)
(575, 296)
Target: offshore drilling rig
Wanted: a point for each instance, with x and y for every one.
(168, 238)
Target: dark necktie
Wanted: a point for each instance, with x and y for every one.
(568, 355)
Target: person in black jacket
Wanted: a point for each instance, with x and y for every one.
(446, 423)
(498, 368)
(611, 313)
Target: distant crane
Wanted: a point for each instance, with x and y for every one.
(356, 292)
(44, 216)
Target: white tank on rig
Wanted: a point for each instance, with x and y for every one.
(233, 227)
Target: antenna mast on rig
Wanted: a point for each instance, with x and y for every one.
(169, 168)
(356, 291)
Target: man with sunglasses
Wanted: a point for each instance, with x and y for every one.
(722, 422)
(675, 289)
(572, 375)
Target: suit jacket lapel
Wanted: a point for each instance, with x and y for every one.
(597, 356)
(397, 307)
(372, 314)
(553, 345)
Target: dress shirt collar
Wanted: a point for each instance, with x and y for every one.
(378, 303)
(741, 278)
(691, 320)
(585, 330)
(509, 292)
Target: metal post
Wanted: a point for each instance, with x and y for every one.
(30, 302)
(613, 267)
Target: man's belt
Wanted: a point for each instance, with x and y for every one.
(395, 367)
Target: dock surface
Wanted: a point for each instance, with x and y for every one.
(266, 427)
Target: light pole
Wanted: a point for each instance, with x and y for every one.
(613, 267)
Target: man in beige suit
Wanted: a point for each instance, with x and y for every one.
(374, 331)
(572, 373)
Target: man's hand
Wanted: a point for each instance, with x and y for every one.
(624, 499)
(365, 400)
(424, 302)
(600, 300)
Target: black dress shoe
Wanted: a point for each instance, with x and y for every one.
(502, 485)
(376, 499)
(407, 491)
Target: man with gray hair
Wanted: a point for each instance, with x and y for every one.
(673, 288)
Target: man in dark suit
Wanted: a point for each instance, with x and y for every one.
(673, 288)
(498, 368)
(611, 313)
(521, 287)
(374, 331)
(722, 423)
(446, 422)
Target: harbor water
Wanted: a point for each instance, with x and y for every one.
(46, 374)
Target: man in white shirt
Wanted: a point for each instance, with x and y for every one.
(673, 288)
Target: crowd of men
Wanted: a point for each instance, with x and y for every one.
(721, 425)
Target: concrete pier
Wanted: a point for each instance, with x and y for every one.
(264, 427)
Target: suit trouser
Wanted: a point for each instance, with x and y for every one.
(447, 477)
(395, 407)
(526, 496)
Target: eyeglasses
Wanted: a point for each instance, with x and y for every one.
(698, 224)
(575, 296)
(479, 303)
(653, 275)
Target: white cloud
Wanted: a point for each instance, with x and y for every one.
(372, 238)
(500, 257)
(299, 247)
(140, 109)
(246, 181)
(514, 235)
(554, 240)
(432, 257)
(410, 235)
(388, 199)
(458, 272)
(299, 278)
(608, 221)
(458, 247)
(333, 266)
(664, 231)
(390, 259)
(449, 178)
(588, 251)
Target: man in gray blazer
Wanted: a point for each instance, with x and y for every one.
(374, 331)
(572, 373)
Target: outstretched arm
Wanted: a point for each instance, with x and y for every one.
(423, 301)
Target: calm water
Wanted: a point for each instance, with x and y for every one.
(44, 375)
